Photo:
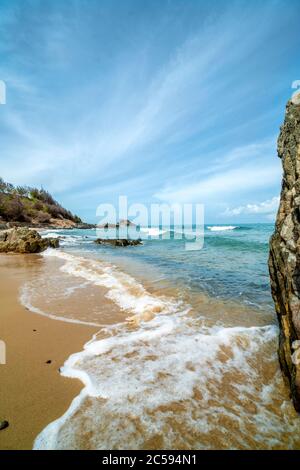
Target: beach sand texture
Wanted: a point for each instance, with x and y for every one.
(32, 392)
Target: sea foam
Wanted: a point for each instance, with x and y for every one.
(169, 382)
(220, 228)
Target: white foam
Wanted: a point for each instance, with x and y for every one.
(153, 231)
(217, 228)
(135, 372)
(122, 288)
(66, 239)
(50, 235)
(135, 375)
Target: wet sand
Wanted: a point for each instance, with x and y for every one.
(32, 392)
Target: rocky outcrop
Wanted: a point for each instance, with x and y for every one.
(55, 224)
(121, 223)
(24, 240)
(284, 259)
(118, 242)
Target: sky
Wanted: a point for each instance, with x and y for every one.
(162, 101)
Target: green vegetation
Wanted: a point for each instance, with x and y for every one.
(31, 205)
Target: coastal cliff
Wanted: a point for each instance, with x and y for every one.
(284, 259)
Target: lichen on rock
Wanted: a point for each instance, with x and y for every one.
(284, 259)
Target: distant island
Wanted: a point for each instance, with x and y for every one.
(33, 207)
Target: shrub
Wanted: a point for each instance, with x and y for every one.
(42, 217)
(38, 205)
(12, 209)
(22, 202)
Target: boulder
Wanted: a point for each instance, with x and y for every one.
(284, 258)
(24, 240)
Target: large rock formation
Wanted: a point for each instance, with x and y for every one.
(24, 240)
(284, 260)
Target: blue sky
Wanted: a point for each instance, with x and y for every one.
(162, 101)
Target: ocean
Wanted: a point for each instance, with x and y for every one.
(185, 356)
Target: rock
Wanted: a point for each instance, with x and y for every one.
(85, 226)
(121, 223)
(24, 240)
(284, 258)
(126, 223)
(118, 242)
(4, 424)
(49, 361)
(62, 223)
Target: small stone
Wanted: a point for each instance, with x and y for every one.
(4, 424)
(49, 361)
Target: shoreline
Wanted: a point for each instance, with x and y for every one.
(32, 392)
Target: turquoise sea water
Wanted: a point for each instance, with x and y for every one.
(185, 354)
(231, 265)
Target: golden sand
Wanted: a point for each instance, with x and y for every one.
(32, 392)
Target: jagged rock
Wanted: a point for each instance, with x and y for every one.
(284, 259)
(118, 242)
(24, 240)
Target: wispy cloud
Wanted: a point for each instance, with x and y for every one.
(267, 208)
(172, 101)
(242, 170)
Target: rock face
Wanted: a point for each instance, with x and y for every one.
(284, 259)
(118, 242)
(24, 240)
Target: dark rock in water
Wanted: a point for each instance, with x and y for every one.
(49, 361)
(118, 242)
(284, 259)
(4, 424)
(24, 240)
(121, 223)
(126, 223)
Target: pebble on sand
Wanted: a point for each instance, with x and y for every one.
(4, 424)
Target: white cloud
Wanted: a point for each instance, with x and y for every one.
(268, 208)
(225, 184)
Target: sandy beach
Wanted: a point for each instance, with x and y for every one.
(32, 392)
